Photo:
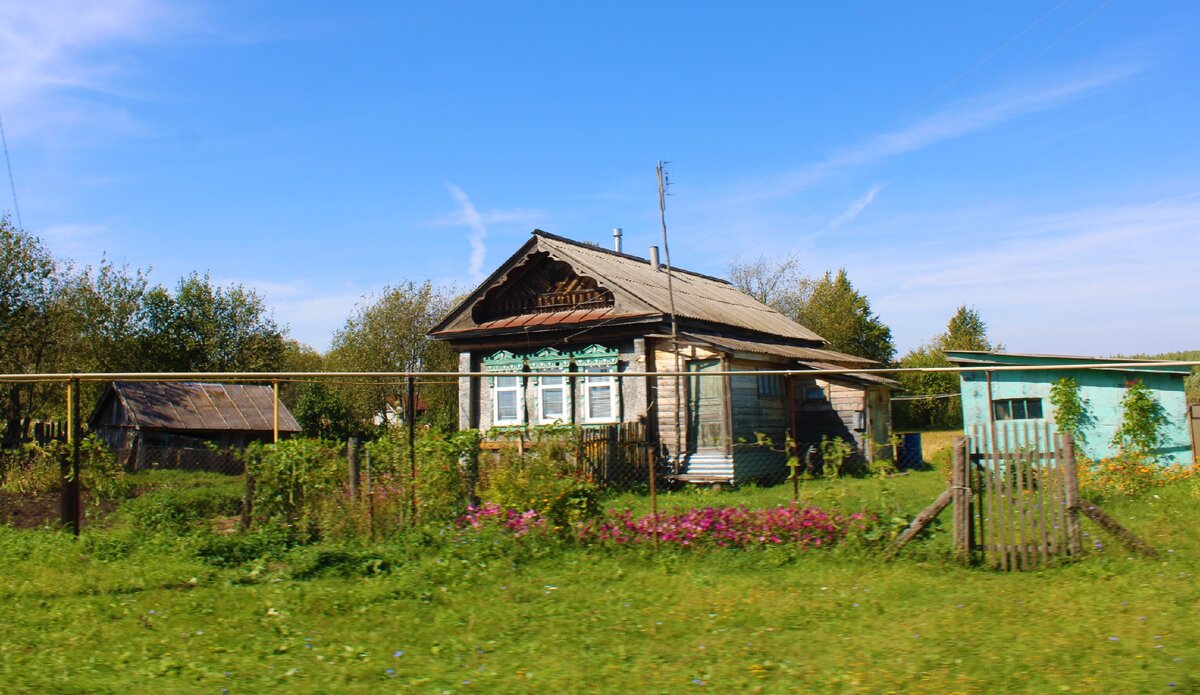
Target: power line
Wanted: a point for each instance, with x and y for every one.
(11, 182)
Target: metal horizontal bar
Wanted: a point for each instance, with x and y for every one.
(308, 376)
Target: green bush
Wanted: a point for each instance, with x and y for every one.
(291, 477)
(176, 510)
(36, 469)
(544, 479)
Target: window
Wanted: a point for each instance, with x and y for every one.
(770, 386)
(599, 394)
(508, 407)
(1017, 409)
(814, 394)
(552, 399)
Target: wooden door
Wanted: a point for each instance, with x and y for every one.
(706, 406)
(877, 424)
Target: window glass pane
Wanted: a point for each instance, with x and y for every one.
(552, 380)
(1002, 410)
(552, 403)
(1018, 409)
(506, 405)
(1033, 408)
(505, 381)
(600, 402)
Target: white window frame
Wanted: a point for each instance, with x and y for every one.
(517, 388)
(564, 387)
(614, 392)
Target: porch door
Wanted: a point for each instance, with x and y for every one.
(706, 407)
(877, 426)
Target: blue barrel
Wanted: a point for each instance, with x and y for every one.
(909, 456)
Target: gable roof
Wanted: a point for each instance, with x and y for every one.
(199, 407)
(638, 288)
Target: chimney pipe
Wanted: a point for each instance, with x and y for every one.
(617, 239)
(654, 257)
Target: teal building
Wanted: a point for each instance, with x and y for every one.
(1014, 399)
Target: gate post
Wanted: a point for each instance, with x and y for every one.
(1070, 474)
(960, 484)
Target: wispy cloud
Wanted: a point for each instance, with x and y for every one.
(52, 59)
(966, 117)
(514, 216)
(1087, 281)
(856, 207)
(477, 237)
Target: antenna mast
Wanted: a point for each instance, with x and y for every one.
(11, 182)
(663, 182)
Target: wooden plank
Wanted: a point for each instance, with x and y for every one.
(1060, 501)
(1042, 498)
(920, 522)
(958, 485)
(1106, 522)
(1074, 539)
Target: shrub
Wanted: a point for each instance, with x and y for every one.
(291, 476)
(176, 510)
(544, 479)
(1128, 473)
(36, 469)
(1142, 421)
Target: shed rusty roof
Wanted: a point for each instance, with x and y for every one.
(203, 407)
(639, 288)
(780, 350)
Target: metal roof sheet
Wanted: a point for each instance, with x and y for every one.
(779, 350)
(639, 288)
(207, 407)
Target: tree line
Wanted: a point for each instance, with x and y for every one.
(56, 317)
(830, 305)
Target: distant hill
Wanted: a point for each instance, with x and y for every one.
(1192, 385)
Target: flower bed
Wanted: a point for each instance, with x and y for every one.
(717, 527)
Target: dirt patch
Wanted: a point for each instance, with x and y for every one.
(30, 511)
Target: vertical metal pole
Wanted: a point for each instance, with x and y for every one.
(72, 491)
(410, 414)
(653, 495)
(352, 466)
(275, 405)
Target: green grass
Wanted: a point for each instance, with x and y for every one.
(124, 611)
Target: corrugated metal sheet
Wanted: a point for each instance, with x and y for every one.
(793, 351)
(697, 296)
(868, 379)
(550, 318)
(203, 407)
(638, 289)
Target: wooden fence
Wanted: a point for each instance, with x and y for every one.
(1016, 496)
(616, 455)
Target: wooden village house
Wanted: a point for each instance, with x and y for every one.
(559, 305)
(186, 425)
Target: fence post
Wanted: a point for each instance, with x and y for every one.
(352, 465)
(1074, 541)
(247, 497)
(69, 468)
(960, 484)
(410, 414)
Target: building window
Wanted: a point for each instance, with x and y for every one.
(770, 386)
(600, 391)
(508, 402)
(814, 394)
(552, 399)
(1017, 409)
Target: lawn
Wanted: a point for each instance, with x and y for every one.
(125, 610)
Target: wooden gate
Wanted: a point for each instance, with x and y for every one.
(1023, 509)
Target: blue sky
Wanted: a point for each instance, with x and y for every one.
(1037, 160)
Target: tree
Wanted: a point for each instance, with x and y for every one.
(202, 328)
(966, 330)
(778, 284)
(32, 323)
(842, 316)
(389, 335)
(829, 305)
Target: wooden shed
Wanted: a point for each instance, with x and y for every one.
(558, 305)
(174, 424)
